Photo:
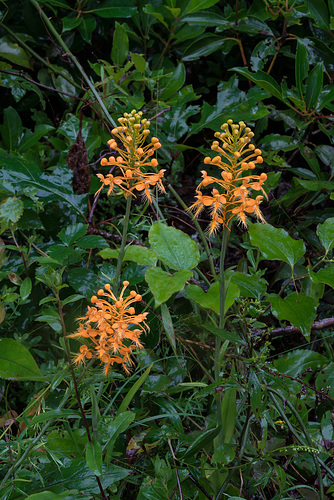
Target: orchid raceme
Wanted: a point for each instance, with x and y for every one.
(231, 196)
(133, 159)
(107, 325)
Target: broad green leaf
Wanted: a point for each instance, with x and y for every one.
(108, 10)
(87, 27)
(115, 428)
(16, 362)
(196, 5)
(319, 12)
(172, 84)
(134, 388)
(206, 45)
(265, 81)
(71, 22)
(249, 286)
(297, 362)
(211, 298)
(314, 85)
(229, 412)
(296, 308)
(2, 312)
(207, 19)
(48, 495)
(71, 299)
(138, 61)
(276, 244)
(325, 275)
(25, 288)
(70, 234)
(28, 141)
(173, 247)
(316, 185)
(92, 241)
(94, 457)
(325, 232)
(201, 441)
(120, 45)
(154, 11)
(76, 475)
(163, 285)
(11, 209)
(14, 53)
(84, 281)
(168, 326)
(302, 66)
(12, 129)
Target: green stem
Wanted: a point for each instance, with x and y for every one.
(272, 392)
(200, 232)
(224, 244)
(75, 61)
(67, 349)
(123, 243)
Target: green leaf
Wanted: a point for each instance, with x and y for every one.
(173, 247)
(87, 27)
(108, 9)
(14, 53)
(254, 389)
(83, 280)
(48, 495)
(319, 12)
(70, 234)
(207, 44)
(16, 362)
(12, 129)
(196, 5)
(138, 61)
(201, 441)
(302, 66)
(168, 326)
(314, 86)
(11, 209)
(25, 288)
(211, 298)
(249, 286)
(276, 244)
(94, 457)
(206, 19)
(325, 232)
(134, 388)
(116, 427)
(163, 285)
(58, 414)
(71, 299)
(298, 361)
(92, 241)
(265, 81)
(136, 253)
(229, 413)
(296, 308)
(171, 84)
(316, 185)
(120, 45)
(325, 275)
(28, 141)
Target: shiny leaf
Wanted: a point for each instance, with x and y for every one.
(16, 362)
(163, 285)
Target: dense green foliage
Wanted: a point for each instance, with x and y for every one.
(232, 394)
